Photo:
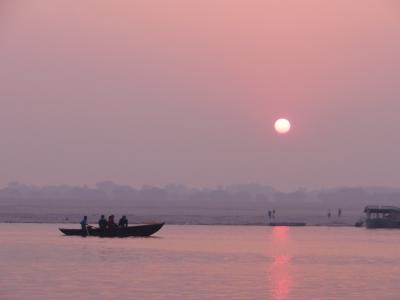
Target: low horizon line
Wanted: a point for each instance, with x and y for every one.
(215, 187)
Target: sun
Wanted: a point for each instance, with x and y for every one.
(282, 126)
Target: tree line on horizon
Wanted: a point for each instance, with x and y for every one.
(238, 196)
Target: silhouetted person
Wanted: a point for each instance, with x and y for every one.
(84, 223)
(111, 223)
(329, 213)
(123, 222)
(339, 213)
(269, 214)
(273, 213)
(102, 222)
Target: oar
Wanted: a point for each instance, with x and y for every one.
(87, 230)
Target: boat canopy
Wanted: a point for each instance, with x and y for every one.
(381, 209)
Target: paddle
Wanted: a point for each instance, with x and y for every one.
(87, 229)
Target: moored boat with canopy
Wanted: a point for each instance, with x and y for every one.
(382, 217)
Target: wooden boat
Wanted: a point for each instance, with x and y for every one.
(137, 230)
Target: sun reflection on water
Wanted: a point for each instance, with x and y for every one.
(279, 270)
(280, 233)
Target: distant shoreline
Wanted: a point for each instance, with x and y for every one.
(195, 224)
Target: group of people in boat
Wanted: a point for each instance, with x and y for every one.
(105, 224)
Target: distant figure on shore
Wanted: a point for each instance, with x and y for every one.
(84, 223)
(329, 213)
(273, 213)
(339, 213)
(269, 215)
(123, 222)
(111, 223)
(102, 222)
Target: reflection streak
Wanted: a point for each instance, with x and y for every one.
(279, 270)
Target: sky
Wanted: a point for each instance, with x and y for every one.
(160, 92)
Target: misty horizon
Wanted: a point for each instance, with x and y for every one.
(246, 185)
(179, 204)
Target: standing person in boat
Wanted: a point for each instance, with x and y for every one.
(102, 222)
(84, 223)
(123, 222)
(111, 223)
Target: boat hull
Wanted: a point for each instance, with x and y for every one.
(138, 230)
(382, 223)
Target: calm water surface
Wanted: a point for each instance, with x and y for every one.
(201, 262)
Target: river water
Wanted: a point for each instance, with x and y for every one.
(201, 262)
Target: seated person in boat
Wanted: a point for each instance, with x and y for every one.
(123, 222)
(111, 223)
(102, 222)
(84, 223)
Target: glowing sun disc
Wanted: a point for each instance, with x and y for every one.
(282, 126)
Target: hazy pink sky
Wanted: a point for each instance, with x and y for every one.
(178, 91)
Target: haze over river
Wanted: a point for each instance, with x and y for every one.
(201, 262)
